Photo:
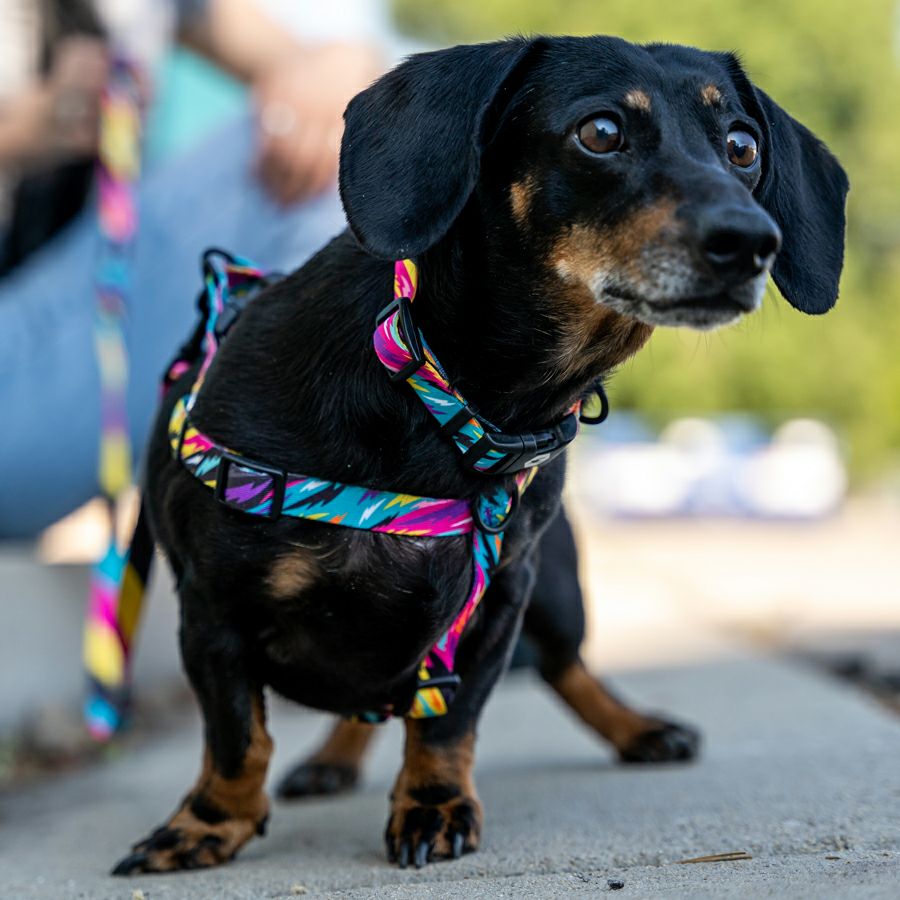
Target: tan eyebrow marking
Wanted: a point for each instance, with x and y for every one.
(637, 99)
(711, 95)
(520, 196)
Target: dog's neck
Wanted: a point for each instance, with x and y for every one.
(523, 345)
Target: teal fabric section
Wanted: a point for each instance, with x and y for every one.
(191, 99)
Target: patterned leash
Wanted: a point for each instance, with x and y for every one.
(118, 579)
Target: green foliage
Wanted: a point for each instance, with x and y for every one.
(835, 65)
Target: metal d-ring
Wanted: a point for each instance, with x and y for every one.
(504, 524)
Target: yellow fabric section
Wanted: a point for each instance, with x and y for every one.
(175, 423)
(120, 140)
(401, 500)
(412, 273)
(103, 655)
(115, 464)
(428, 702)
(130, 596)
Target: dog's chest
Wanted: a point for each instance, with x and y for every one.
(365, 604)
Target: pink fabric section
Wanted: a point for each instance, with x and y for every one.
(103, 602)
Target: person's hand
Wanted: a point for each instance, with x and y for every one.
(57, 119)
(300, 104)
(75, 86)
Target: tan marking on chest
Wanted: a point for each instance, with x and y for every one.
(292, 573)
(594, 336)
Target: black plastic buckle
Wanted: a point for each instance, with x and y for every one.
(278, 477)
(440, 681)
(229, 315)
(410, 335)
(521, 451)
(235, 304)
(504, 523)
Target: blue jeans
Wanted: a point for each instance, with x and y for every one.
(49, 383)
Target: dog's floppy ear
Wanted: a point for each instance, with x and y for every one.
(412, 143)
(803, 188)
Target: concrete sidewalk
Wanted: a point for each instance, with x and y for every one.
(800, 771)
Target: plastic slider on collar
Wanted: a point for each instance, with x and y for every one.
(235, 304)
(521, 451)
(409, 333)
(441, 681)
(243, 484)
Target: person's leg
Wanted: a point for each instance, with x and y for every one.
(49, 386)
(210, 199)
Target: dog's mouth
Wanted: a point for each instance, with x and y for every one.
(700, 312)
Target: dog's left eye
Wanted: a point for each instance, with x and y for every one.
(600, 134)
(743, 149)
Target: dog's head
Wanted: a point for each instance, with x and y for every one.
(656, 178)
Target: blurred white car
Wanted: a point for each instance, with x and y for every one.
(702, 467)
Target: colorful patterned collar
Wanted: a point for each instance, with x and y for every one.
(405, 353)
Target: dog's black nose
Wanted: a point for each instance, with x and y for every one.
(737, 243)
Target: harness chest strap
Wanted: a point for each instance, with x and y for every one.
(259, 490)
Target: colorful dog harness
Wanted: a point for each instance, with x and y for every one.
(258, 488)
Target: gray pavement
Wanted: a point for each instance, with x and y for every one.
(800, 771)
(41, 622)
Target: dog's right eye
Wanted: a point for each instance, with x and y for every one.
(600, 134)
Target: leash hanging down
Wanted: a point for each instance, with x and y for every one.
(117, 580)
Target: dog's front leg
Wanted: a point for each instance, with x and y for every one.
(435, 810)
(228, 805)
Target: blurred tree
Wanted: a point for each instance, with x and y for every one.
(835, 65)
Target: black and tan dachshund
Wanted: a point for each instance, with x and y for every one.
(562, 197)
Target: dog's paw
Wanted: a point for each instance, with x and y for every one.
(186, 842)
(661, 743)
(418, 832)
(315, 779)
